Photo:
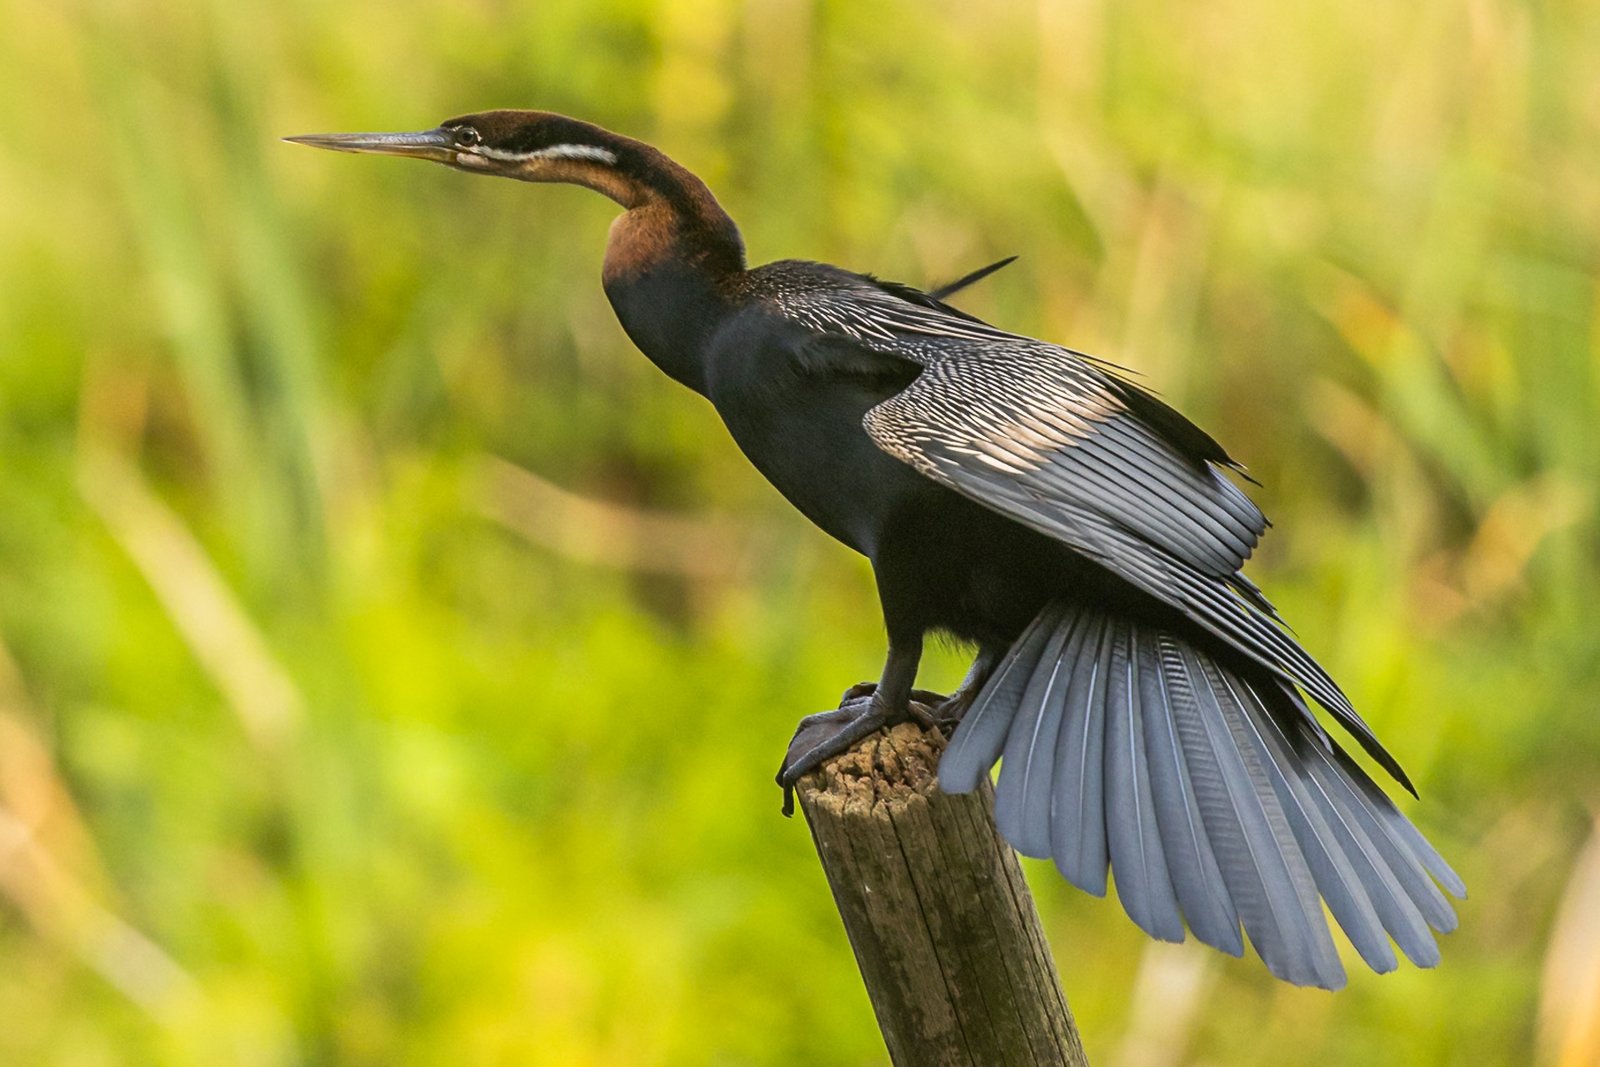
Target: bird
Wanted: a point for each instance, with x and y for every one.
(1150, 711)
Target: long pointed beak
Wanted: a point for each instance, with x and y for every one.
(428, 144)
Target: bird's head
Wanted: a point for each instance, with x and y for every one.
(531, 146)
(681, 218)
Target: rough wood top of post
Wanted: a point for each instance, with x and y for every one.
(893, 766)
(944, 929)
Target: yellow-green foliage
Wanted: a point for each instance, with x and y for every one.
(394, 664)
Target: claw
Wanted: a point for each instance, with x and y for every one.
(947, 714)
(821, 737)
(926, 715)
(860, 689)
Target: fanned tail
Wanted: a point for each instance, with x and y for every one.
(1208, 790)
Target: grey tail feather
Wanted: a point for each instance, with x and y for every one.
(1206, 789)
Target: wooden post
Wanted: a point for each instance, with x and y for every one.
(943, 926)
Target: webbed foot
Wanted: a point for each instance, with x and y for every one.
(823, 736)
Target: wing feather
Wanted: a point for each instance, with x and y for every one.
(1061, 443)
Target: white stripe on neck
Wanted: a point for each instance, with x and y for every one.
(559, 151)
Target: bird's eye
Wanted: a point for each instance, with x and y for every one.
(466, 136)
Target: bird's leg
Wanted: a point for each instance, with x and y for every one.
(947, 713)
(819, 738)
(935, 710)
(926, 697)
(923, 706)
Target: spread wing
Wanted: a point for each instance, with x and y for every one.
(1046, 437)
(1061, 443)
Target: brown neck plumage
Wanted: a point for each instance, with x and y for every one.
(672, 216)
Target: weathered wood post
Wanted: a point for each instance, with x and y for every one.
(943, 926)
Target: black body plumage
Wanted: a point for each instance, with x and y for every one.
(1142, 697)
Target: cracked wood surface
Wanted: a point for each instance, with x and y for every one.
(942, 923)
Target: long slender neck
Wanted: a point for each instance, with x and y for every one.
(671, 214)
(668, 255)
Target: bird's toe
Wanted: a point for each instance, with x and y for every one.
(820, 737)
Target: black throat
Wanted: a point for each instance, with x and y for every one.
(670, 311)
(668, 263)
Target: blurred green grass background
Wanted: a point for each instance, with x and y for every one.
(393, 664)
